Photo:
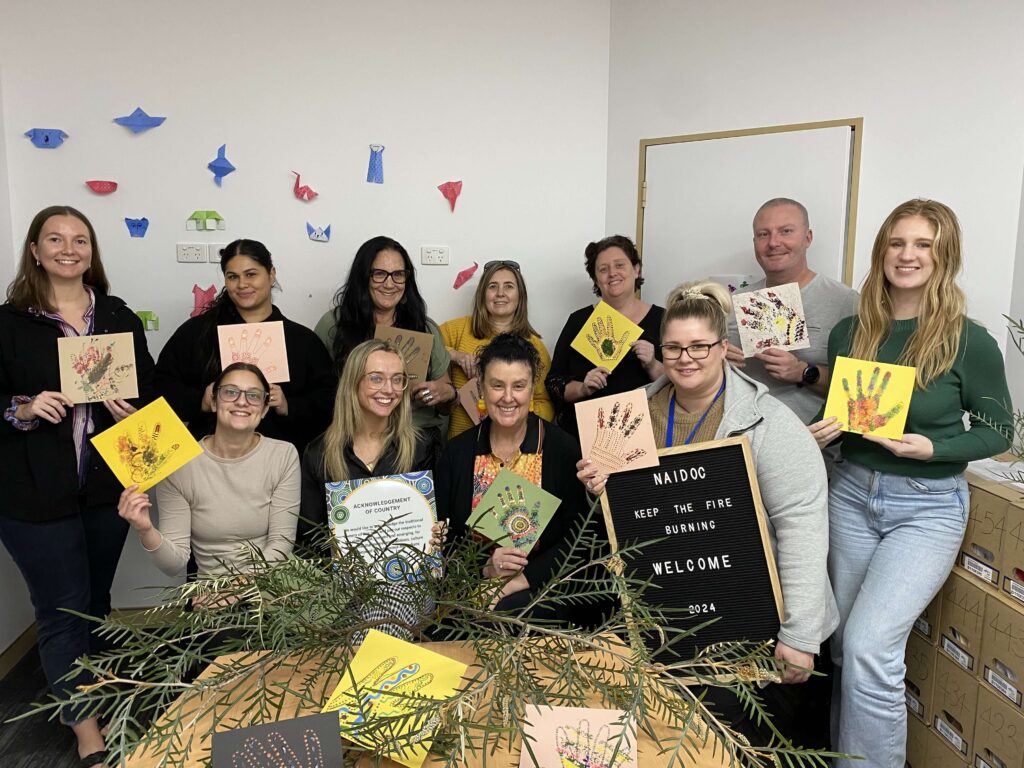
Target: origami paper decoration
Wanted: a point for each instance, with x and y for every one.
(388, 520)
(205, 221)
(150, 321)
(880, 409)
(147, 446)
(513, 512)
(303, 192)
(383, 680)
(616, 432)
(576, 737)
(97, 368)
(598, 341)
(102, 187)
(771, 318)
(451, 191)
(220, 166)
(47, 138)
(317, 234)
(302, 742)
(375, 170)
(137, 227)
(260, 344)
(138, 121)
(203, 298)
(415, 348)
(463, 277)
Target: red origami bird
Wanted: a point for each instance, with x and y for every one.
(463, 277)
(303, 192)
(451, 190)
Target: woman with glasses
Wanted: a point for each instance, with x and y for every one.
(371, 434)
(701, 398)
(499, 306)
(512, 438)
(241, 493)
(381, 291)
(190, 361)
(614, 267)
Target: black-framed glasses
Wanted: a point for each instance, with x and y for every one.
(230, 394)
(398, 277)
(510, 264)
(695, 351)
(377, 380)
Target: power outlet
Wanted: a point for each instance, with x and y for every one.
(434, 255)
(215, 249)
(191, 253)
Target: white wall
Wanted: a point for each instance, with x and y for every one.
(938, 85)
(510, 98)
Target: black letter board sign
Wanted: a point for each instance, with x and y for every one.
(715, 557)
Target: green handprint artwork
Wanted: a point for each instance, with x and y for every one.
(514, 512)
(606, 337)
(604, 342)
(863, 410)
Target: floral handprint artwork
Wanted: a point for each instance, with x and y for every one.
(579, 748)
(606, 337)
(97, 368)
(621, 437)
(880, 409)
(771, 318)
(144, 454)
(575, 737)
(259, 344)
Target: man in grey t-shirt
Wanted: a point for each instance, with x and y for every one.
(800, 378)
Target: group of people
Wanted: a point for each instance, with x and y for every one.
(860, 553)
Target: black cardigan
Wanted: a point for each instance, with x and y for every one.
(182, 377)
(39, 466)
(454, 489)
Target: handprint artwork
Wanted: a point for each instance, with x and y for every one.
(771, 318)
(259, 344)
(415, 348)
(147, 446)
(879, 409)
(384, 680)
(606, 336)
(575, 737)
(621, 437)
(97, 368)
(312, 741)
(513, 511)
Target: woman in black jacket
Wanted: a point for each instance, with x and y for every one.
(299, 408)
(58, 512)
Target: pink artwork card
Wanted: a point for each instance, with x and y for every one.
(260, 344)
(576, 737)
(616, 432)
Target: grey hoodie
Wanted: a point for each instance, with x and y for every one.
(794, 489)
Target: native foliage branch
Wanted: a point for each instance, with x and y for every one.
(1017, 438)
(278, 620)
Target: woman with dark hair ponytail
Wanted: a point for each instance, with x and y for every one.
(300, 408)
(381, 290)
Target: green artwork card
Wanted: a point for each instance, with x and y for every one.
(514, 512)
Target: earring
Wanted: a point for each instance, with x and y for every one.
(37, 263)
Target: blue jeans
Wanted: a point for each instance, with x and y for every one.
(67, 564)
(892, 543)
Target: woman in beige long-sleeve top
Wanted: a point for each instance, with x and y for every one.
(241, 494)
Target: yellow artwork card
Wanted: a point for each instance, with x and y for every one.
(390, 678)
(606, 337)
(147, 446)
(97, 368)
(870, 398)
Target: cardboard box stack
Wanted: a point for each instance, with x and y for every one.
(965, 656)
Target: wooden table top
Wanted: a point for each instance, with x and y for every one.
(198, 750)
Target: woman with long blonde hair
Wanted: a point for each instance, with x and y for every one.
(898, 508)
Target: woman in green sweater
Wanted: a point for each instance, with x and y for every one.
(898, 508)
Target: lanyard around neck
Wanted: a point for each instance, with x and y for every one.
(670, 429)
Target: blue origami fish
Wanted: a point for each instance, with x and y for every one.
(220, 166)
(138, 121)
(47, 138)
(137, 227)
(318, 234)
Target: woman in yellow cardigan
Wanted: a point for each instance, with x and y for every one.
(499, 307)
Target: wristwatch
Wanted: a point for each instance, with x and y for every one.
(810, 376)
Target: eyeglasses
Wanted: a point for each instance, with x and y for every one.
(230, 394)
(510, 264)
(398, 277)
(377, 380)
(695, 351)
